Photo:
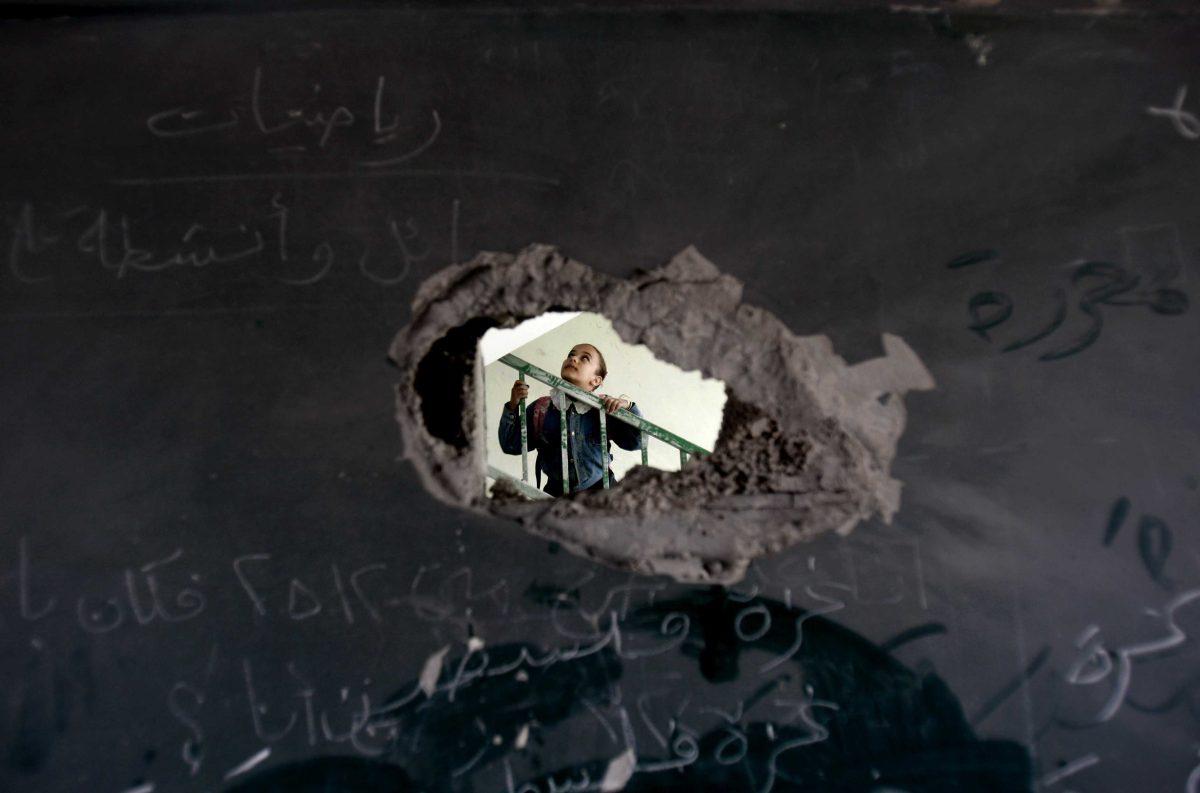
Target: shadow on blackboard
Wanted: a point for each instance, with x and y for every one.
(861, 720)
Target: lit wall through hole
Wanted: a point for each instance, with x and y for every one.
(683, 403)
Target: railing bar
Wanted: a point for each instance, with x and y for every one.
(589, 398)
(604, 446)
(562, 423)
(524, 436)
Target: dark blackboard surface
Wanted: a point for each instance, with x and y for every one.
(213, 564)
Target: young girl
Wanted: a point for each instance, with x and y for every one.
(584, 367)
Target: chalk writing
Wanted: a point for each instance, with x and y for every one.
(250, 762)
(270, 117)
(1185, 123)
(1097, 663)
(1091, 285)
(1154, 540)
(1070, 769)
(181, 699)
(262, 245)
(302, 600)
(882, 572)
(475, 709)
(140, 595)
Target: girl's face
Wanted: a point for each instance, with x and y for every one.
(582, 367)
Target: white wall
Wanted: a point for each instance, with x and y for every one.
(683, 402)
(501, 341)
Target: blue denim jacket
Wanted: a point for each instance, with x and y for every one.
(585, 459)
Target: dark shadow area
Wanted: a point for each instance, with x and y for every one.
(870, 722)
(330, 775)
(442, 380)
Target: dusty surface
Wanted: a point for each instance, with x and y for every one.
(805, 446)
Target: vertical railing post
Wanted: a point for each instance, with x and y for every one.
(683, 458)
(604, 446)
(524, 435)
(643, 442)
(562, 423)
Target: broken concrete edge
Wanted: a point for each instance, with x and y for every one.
(677, 565)
(801, 429)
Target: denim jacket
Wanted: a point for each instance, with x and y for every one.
(585, 459)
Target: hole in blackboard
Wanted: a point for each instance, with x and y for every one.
(805, 442)
(558, 351)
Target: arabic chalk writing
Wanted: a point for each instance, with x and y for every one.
(1091, 285)
(44, 242)
(1154, 540)
(270, 118)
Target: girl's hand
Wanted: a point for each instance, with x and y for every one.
(612, 404)
(519, 391)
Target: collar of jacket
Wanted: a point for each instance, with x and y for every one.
(561, 399)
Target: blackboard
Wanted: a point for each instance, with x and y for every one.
(217, 576)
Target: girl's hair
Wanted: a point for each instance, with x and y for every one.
(603, 370)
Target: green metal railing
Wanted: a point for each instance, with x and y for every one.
(648, 429)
